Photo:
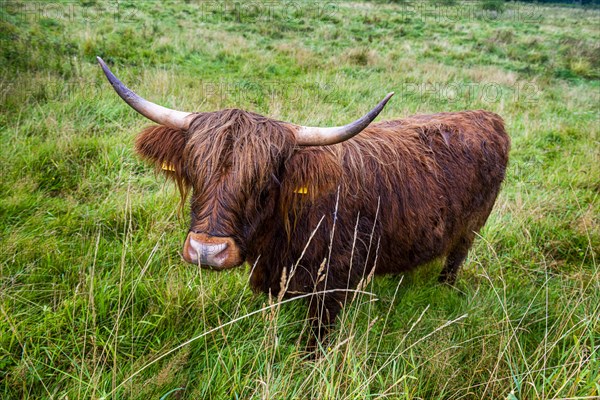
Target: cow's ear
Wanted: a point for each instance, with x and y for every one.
(162, 146)
(310, 173)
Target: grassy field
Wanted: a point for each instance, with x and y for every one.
(95, 301)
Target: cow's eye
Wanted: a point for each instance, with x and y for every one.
(264, 194)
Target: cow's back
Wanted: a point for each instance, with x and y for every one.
(436, 178)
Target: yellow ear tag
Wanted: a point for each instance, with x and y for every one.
(301, 190)
(168, 167)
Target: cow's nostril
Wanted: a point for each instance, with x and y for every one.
(192, 255)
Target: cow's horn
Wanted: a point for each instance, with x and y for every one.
(158, 114)
(315, 136)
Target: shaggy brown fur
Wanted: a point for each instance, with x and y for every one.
(406, 191)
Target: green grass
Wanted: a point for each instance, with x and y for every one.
(95, 301)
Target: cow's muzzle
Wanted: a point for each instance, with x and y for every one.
(211, 251)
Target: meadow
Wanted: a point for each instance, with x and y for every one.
(95, 301)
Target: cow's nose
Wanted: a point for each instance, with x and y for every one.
(205, 250)
(205, 253)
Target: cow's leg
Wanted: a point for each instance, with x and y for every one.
(323, 310)
(455, 258)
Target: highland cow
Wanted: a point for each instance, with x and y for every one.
(316, 210)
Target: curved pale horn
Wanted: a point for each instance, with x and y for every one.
(315, 136)
(158, 114)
